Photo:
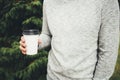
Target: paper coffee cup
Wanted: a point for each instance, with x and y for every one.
(31, 41)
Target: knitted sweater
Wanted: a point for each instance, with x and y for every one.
(84, 38)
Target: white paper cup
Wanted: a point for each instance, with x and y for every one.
(31, 41)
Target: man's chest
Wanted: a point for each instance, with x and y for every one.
(77, 15)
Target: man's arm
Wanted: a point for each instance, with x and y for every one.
(45, 35)
(108, 41)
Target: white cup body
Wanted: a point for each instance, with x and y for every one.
(31, 41)
(31, 44)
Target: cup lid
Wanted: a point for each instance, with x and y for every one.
(31, 32)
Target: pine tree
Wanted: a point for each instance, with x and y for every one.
(16, 15)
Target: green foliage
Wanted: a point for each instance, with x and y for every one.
(16, 15)
(31, 23)
(16, 66)
(116, 75)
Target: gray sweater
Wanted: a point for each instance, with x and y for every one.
(84, 38)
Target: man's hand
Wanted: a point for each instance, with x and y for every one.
(23, 45)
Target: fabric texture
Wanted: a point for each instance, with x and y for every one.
(84, 38)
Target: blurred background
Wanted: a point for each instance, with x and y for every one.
(16, 15)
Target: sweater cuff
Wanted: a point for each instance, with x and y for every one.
(45, 41)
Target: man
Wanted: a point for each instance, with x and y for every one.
(84, 38)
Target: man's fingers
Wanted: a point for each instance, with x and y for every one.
(24, 52)
(22, 44)
(22, 49)
(39, 41)
(22, 39)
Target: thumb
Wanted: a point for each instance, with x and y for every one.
(39, 41)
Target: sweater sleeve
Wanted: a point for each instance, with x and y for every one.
(45, 35)
(108, 41)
